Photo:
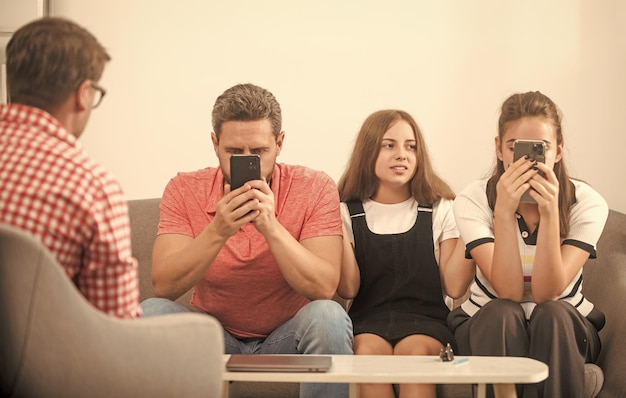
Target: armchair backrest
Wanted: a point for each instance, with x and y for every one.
(53, 342)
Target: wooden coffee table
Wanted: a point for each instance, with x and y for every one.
(502, 372)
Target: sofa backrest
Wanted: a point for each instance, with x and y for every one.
(604, 284)
(144, 219)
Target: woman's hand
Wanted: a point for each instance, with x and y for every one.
(513, 183)
(545, 190)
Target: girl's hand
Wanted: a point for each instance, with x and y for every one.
(513, 183)
(545, 190)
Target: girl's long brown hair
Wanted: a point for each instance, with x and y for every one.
(359, 181)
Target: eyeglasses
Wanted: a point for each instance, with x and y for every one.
(100, 92)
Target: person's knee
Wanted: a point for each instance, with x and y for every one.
(499, 328)
(502, 311)
(155, 306)
(553, 314)
(371, 344)
(328, 326)
(327, 313)
(365, 349)
(553, 308)
(502, 305)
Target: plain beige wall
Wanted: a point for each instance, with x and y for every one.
(331, 63)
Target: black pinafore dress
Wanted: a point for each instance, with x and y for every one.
(400, 293)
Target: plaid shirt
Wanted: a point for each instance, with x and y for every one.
(51, 188)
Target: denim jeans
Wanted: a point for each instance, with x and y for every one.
(320, 327)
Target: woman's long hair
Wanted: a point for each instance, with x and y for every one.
(359, 180)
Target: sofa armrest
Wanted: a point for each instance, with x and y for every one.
(605, 286)
(178, 355)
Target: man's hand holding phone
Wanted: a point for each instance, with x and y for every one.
(266, 216)
(253, 202)
(257, 204)
(245, 169)
(234, 210)
(239, 204)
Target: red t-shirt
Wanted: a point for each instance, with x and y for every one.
(244, 288)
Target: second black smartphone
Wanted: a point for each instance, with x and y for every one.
(244, 168)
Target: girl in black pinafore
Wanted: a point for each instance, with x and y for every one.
(400, 241)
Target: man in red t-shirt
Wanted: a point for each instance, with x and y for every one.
(264, 259)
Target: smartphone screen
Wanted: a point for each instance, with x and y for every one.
(244, 168)
(534, 150)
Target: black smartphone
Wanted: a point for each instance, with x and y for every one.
(244, 168)
(534, 149)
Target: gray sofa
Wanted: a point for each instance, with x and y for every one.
(604, 285)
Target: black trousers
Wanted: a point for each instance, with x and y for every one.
(556, 334)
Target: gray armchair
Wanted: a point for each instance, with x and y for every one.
(54, 343)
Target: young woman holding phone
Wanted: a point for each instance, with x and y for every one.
(526, 299)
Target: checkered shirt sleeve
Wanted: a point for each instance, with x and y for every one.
(54, 190)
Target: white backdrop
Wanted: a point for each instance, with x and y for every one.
(449, 63)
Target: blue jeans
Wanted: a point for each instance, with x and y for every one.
(320, 327)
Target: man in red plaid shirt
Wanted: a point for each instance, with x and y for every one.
(49, 186)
